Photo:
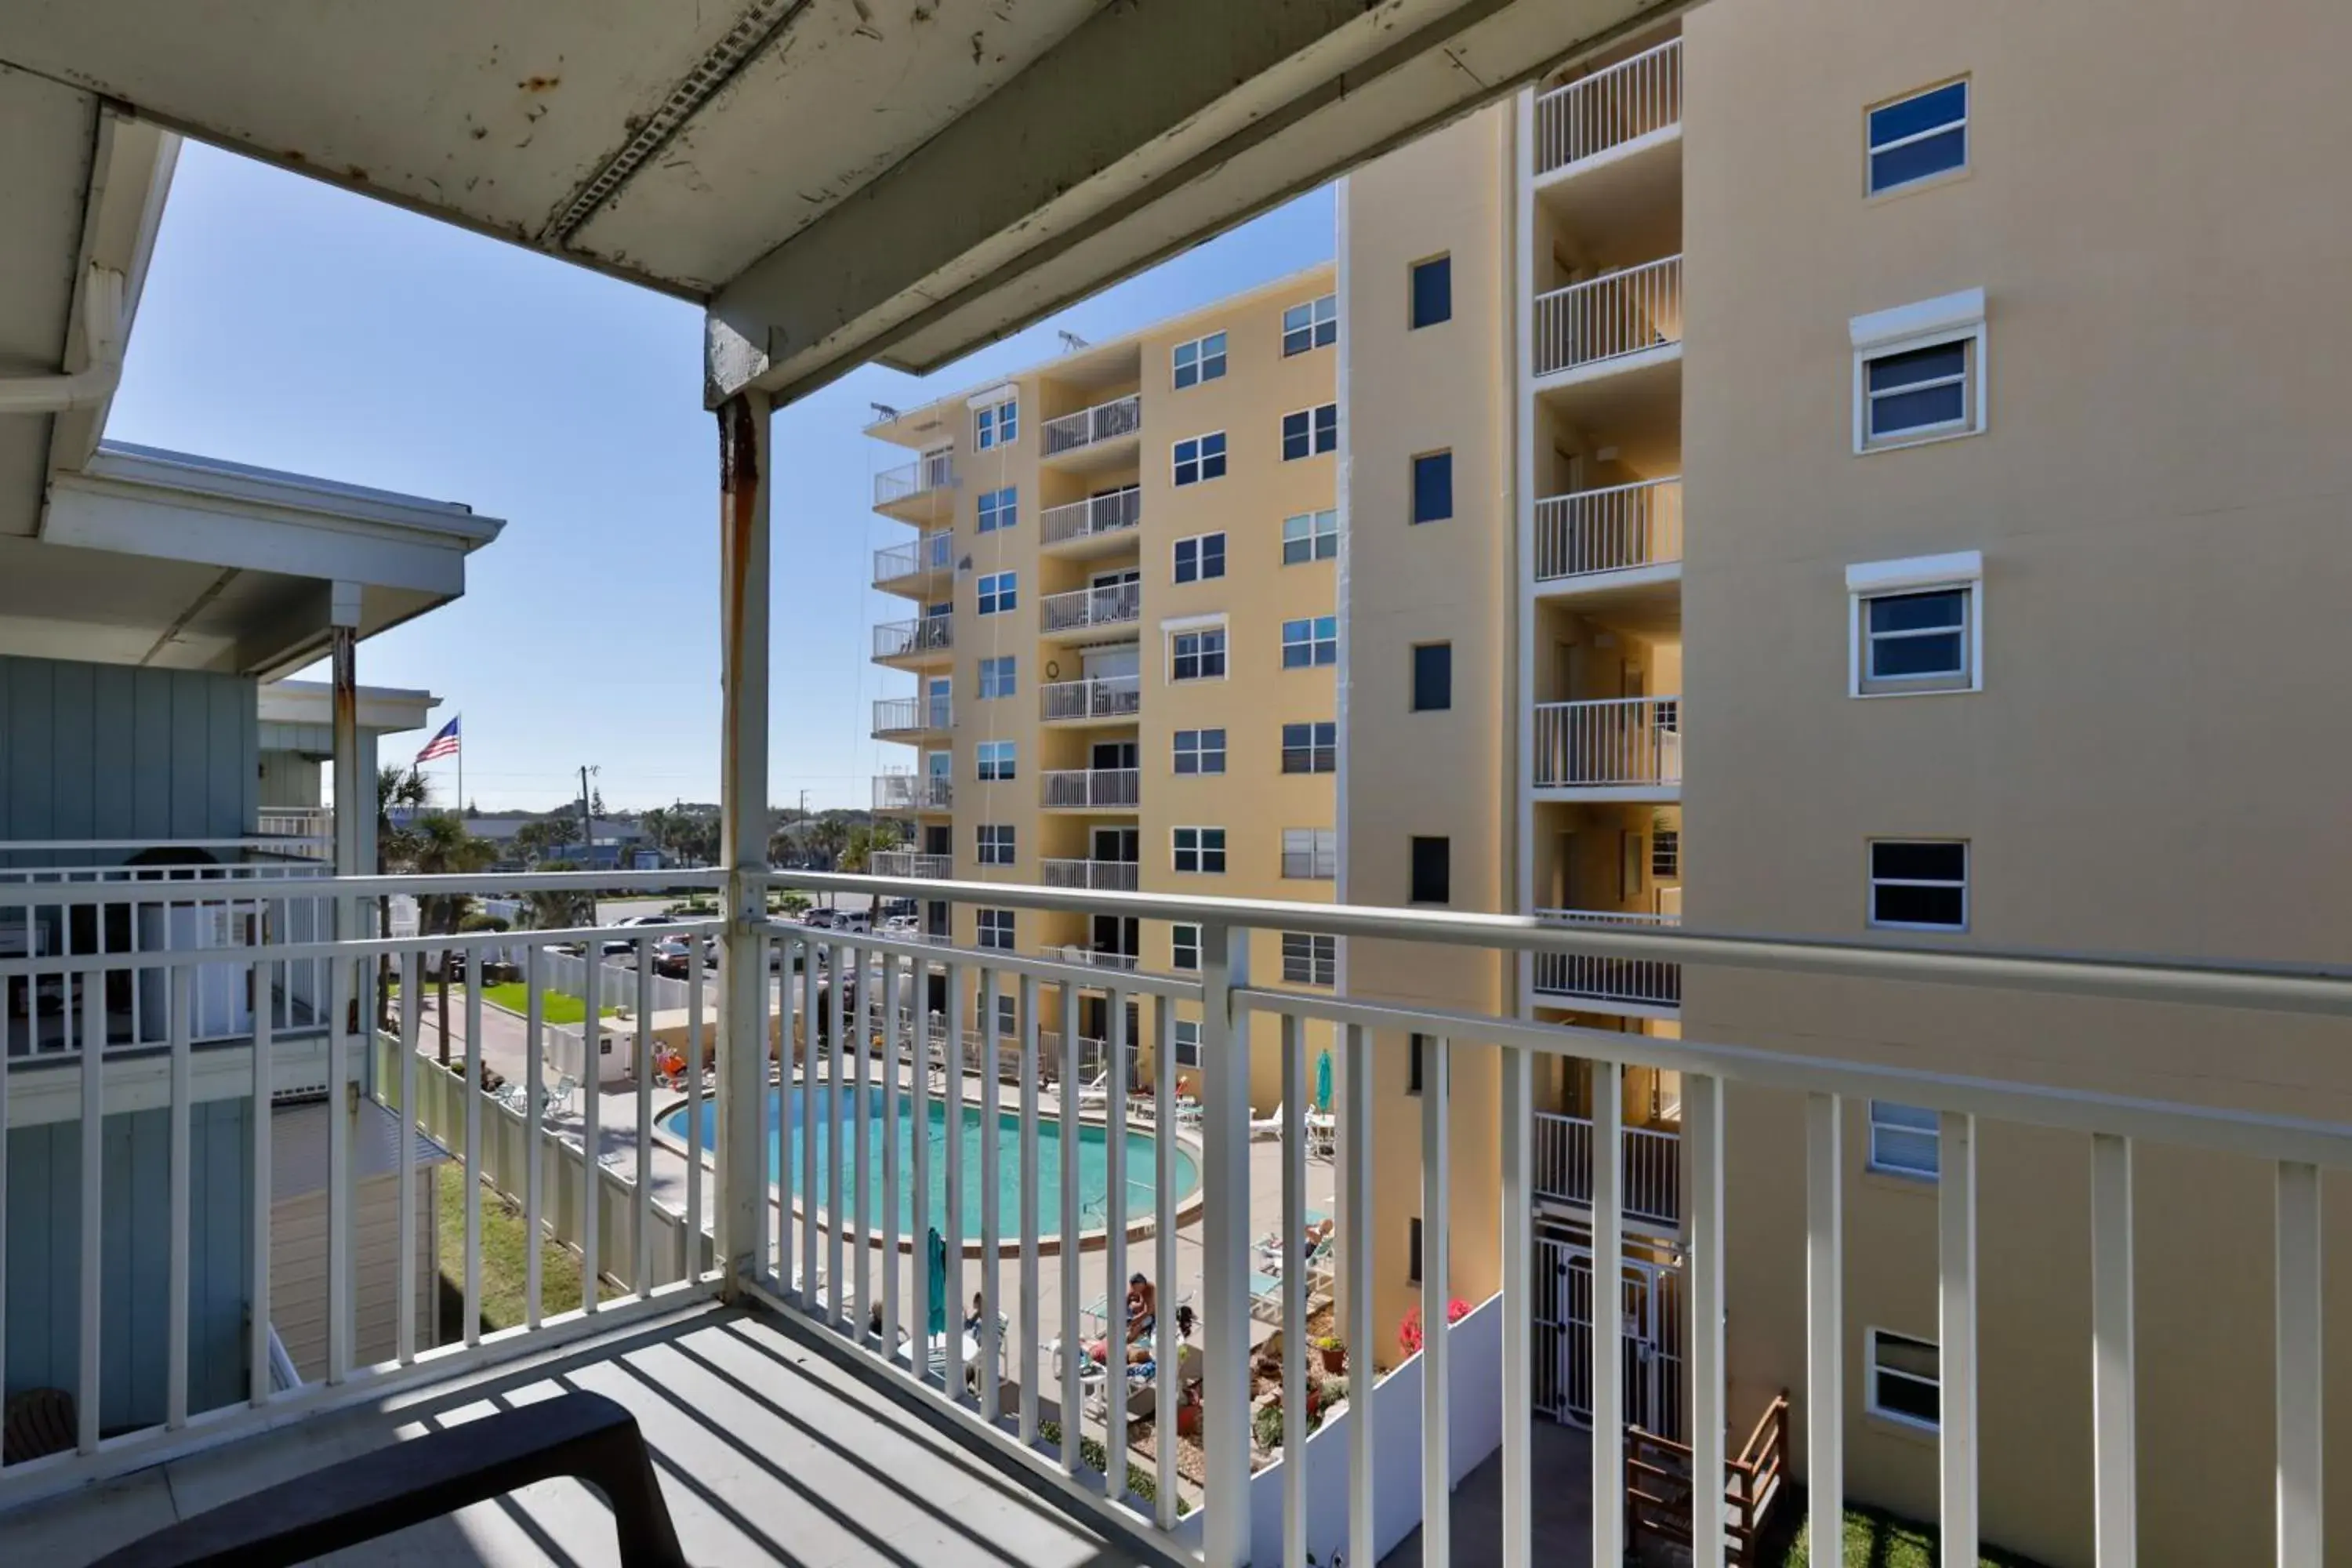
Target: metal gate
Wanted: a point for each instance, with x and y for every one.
(1563, 1331)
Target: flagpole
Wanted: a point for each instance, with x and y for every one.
(459, 718)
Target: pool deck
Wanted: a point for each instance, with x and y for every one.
(504, 1049)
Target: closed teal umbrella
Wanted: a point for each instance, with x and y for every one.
(937, 1265)
(1323, 1081)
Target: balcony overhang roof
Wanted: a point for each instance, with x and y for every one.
(835, 180)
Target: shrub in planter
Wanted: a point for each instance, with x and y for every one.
(1334, 1351)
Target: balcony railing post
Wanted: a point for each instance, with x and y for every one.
(1224, 1265)
(743, 592)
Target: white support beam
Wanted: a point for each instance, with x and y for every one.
(1519, 1308)
(1703, 1138)
(1608, 1312)
(2115, 1508)
(1955, 1252)
(2301, 1407)
(1824, 1416)
(1225, 1235)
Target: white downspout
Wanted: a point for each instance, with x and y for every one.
(102, 328)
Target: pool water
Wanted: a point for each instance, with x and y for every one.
(838, 1117)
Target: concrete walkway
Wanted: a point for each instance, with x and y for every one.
(1561, 1468)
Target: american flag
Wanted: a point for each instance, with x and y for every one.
(444, 744)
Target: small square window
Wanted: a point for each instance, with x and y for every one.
(1432, 292)
(1310, 431)
(1184, 947)
(997, 427)
(1917, 392)
(1432, 677)
(1197, 656)
(1919, 884)
(994, 760)
(1432, 487)
(1310, 748)
(1917, 640)
(996, 930)
(1200, 850)
(1313, 325)
(998, 590)
(1905, 1140)
(1905, 1379)
(1919, 136)
(1432, 870)
(1200, 458)
(1310, 959)
(1202, 359)
(1200, 751)
(1310, 536)
(1667, 853)
(1201, 557)
(999, 509)
(996, 676)
(1310, 853)
(1187, 1041)
(994, 844)
(1310, 642)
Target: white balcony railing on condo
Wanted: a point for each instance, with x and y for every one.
(1652, 1167)
(932, 552)
(309, 831)
(1097, 697)
(1089, 427)
(912, 863)
(1093, 957)
(1609, 317)
(1634, 98)
(1585, 976)
(1617, 742)
(1119, 604)
(1100, 875)
(1113, 513)
(670, 1235)
(913, 791)
(905, 639)
(911, 715)
(935, 472)
(1079, 788)
(1612, 530)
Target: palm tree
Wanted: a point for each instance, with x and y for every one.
(400, 793)
(555, 908)
(443, 848)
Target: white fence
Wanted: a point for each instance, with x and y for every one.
(1612, 530)
(1108, 876)
(1103, 422)
(912, 863)
(1616, 741)
(1623, 102)
(1611, 316)
(1080, 788)
(913, 791)
(619, 982)
(906, 639)
(908, 480)
(1651, 982)
(1116, 605)
(1651, 1162)
(931, 553)
(1089, 519)
(1097, 697)
(911, 715)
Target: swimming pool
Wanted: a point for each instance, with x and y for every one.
(832, 1118)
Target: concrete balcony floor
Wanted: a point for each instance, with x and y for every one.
(767, 1451)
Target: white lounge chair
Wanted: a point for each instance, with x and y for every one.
(1269, 1126)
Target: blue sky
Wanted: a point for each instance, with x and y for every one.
(298, 326)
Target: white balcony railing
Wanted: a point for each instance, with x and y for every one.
(1080, 788)
(1120, 604)
(1617, 742)
(913, 791)
(1612, 530)
(1093, 957)
(1650, 1164)
(1117, 512)
(906, 639)
(1586, 976)
(935, 472)
(1097, 697)
(1100, 875)
(1633, 99)
(1609, 317)
(1090, 426)
(309, 830)
(911, 715)
(911, 863)
(930, 554)
(670, 1225)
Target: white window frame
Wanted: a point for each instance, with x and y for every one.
(1201, 359)
(1321, 312)
(1187, 1047)
(995, 418)
(1932, 1130)
(1312, 414)
(1314, 641)
(1317, 944)
(1870, 908)
(1313, 748)
(1962, 570)
(1198, 542)
(1318, 848)
(1179, 944)
(1005, 665)
(996, 592)
(1199, 458)
(1200, 851)
(998, 923)
(1202, 752)
(1873, 1370)
(1006, 509)
(1957, 318)
(996, 761)
(1170, 630)
(1871, 149)
(1322, 530)
(987, 851)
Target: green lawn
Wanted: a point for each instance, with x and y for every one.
(555, 1007)
(502, 1262)
(1873, 1539)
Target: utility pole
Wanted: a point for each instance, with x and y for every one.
(587, 823)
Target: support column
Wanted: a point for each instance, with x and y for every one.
(355, 792)
(743, 494)
(347, 990)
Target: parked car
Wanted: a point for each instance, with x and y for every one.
(672, 957)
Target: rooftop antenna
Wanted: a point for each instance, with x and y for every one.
(883, 411)
(1071, 341)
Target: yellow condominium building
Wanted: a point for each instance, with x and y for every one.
(1121, 623)
(1989, 345)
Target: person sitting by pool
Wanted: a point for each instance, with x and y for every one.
(1142, 1317)
(979, 1310)
(1316, 1234)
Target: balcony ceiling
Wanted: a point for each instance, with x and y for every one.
(837, 180)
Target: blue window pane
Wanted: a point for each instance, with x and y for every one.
(1923, 112)
(1892, 371)
(1897, 657)
(1918, 410)
(1919, 862)
(1916, 612)
(1432, 487)
(1433, 292)
(1917, 160)
(1213, 457)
